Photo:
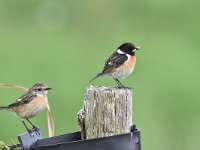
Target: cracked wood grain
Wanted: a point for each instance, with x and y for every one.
(106, 111)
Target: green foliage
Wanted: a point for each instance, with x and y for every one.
(3, 146)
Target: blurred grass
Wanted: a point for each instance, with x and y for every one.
(65, 43)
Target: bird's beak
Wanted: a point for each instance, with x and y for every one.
(137, 48)
(48, 88)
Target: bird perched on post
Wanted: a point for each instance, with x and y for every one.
(120, 64)
(30, 104)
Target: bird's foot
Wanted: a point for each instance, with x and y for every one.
(36, 130)
(119, 87)
(31, 132)
(130, 88)
(124, 87)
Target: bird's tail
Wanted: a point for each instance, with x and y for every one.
(3, 107)
(99, 75)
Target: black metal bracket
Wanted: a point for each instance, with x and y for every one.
(72, 141)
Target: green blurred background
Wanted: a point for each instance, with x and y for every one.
(65, 43)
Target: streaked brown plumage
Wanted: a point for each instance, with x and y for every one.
(30, 104)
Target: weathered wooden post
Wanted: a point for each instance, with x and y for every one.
(106, 111)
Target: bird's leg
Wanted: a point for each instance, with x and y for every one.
(119, 84)
(122, 86)
(29, 131)
(34, 127)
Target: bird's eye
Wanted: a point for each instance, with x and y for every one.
(39, 89)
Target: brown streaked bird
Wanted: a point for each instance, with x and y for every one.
(30, 104)
(120, 64)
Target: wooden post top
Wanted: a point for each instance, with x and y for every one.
(107, 111)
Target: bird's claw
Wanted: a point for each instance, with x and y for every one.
(31, 131)
(36, 130)
(119, 87)
(130, 88)
(124, 87)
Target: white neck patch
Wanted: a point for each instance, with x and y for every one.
(120, 52)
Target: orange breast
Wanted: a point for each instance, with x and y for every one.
(31, 109)
(130, 63)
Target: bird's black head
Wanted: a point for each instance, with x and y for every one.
(128, 48)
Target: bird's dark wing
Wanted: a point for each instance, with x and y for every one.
(24, 99)
(114, 61)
